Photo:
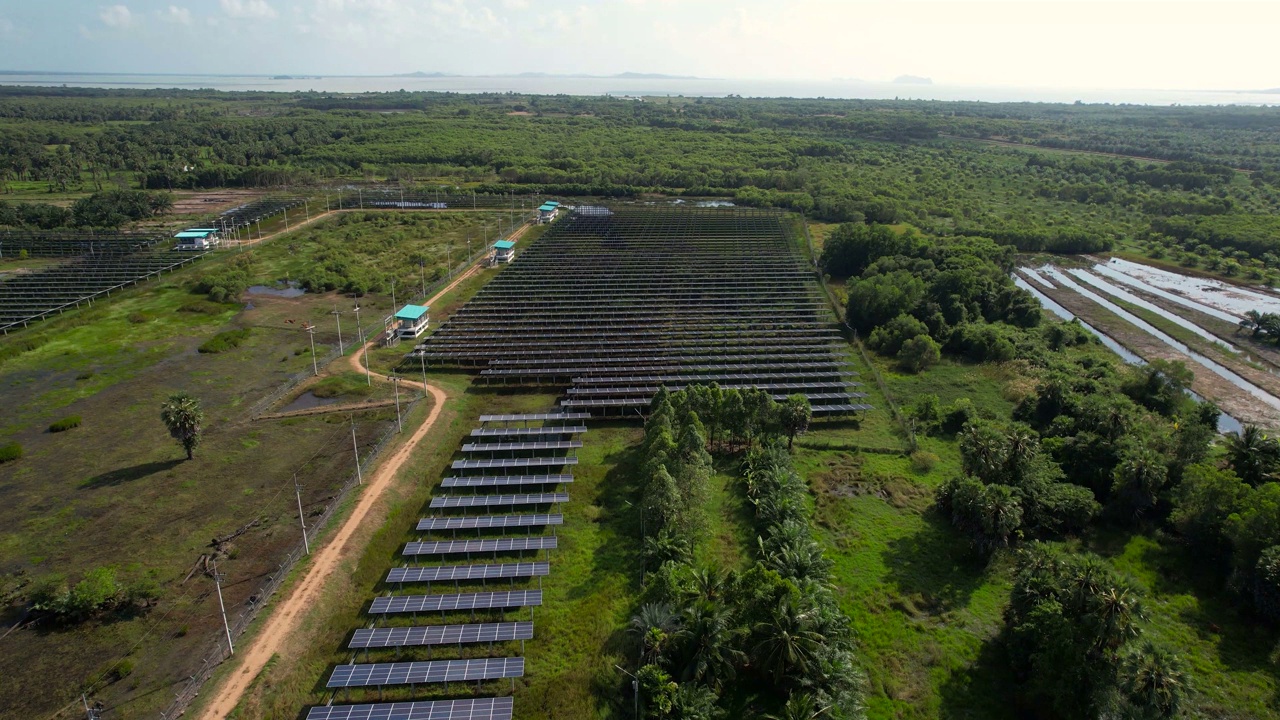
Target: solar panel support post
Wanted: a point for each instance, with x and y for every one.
(297, 492)
(355, 447)
(222, 608)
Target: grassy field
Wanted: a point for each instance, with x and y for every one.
(116, 492)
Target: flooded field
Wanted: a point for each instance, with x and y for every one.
(1136, 311)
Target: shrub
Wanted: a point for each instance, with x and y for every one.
(203, 307)
(918, 353)
(11, 451)
(923, 462)
(65, 424)
(121, 670)
(137, 318)
(224, 341)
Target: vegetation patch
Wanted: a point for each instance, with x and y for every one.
(10, 452)
(226, 340)
(67, 423)
(347, 384)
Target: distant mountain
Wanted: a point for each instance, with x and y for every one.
(912, 80)
(420, 74)
(1270, 91)
(652, 76)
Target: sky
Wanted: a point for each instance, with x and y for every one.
(1023, 43)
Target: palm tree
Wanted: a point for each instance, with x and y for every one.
(1118, 611)
(800, 706)
(1253, 454)
(712, 640)
(787, 644)
(656, 623)
(181, 413)
(1153, 681)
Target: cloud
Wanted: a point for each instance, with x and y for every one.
(176, 14)
(116, 16)
(248, 8)
(515, 4)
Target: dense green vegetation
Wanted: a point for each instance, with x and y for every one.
(69, 422)
(714, 642)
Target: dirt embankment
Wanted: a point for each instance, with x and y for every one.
(1233, 400)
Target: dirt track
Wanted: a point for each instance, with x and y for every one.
(288, 615)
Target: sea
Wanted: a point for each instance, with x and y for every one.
(645, 87)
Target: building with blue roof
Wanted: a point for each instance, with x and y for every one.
(547, 212)
(413, 320)
(503, 251)
(196, 239)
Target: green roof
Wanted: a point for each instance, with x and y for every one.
(548, 207)
(553, 203)
(504, 244)
(411, 312)
(194, 234)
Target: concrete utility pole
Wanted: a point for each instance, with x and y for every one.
(217, 581)
(355, 447)
(337, 316)
(635, 687)
(311, 330)
(422, 266)
(297, 491)
(395, 384)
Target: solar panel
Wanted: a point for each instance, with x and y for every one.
(388, 604)
(484, 571)
(373, 674)
(446, 547)
(501, 446)
(498, 708)
(441, 635)
(513, 462)
(518, 431)
(505, 480)
(468, 501)
(485, 522)
(535, 417)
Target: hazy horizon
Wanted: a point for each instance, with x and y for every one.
(1068, 44)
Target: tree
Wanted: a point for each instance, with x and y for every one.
(788, 645)
(1152, 682)
(795, 415)
(181, 413)
(918, 353)
(1253, 454)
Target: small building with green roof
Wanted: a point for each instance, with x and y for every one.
(547, 212)
(413, 320)
(503, 251)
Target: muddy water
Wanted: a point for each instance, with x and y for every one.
(1133, 282)
(1137, 322)
(1226, 423)
(1132, 299)
(1223, 296)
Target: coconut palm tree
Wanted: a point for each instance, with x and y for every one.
(712, 640)
(656, 624)
(1253, 454)
(800, 706)
(787, 643)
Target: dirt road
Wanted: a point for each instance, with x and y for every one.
(289, 613)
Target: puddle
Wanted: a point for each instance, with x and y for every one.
(1214, 293)
(1226, 423)
(1132, 299)
(306, 401)
(1146, 327)
(291, 291)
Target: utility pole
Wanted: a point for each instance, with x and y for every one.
(356, 449)
(259, 222)
(217, 581)
(635, 687)
(363, 353)
(393, 294)
(395, 384)
(337, 316)
(297, 491)
(286, 219)
(423, 358)
(422, 265)
(311, 330)
(307, 209)
(89, 713)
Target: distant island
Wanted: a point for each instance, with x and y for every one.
(420, 74)
(912, 80)
(618, 76)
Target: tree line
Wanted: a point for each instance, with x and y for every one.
(709, 640)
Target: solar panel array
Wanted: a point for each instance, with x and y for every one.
(390, 604)
(471, 634)
(497, 545)
(475, 501)
(489, 522)
(436, 671)
(484, 571)
(619, 303)
(498, 708)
